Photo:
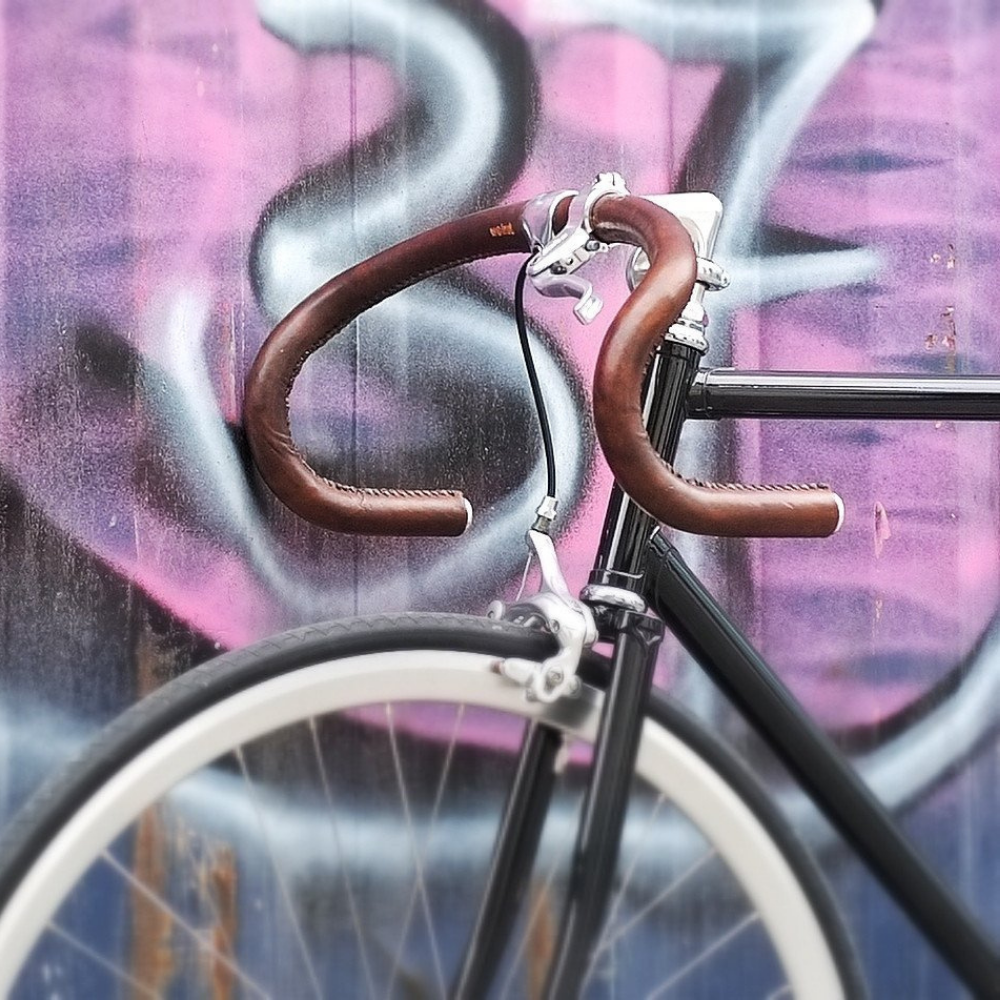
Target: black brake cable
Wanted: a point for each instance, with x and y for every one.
(536, 389)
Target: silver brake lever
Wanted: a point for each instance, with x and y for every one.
(557, 257)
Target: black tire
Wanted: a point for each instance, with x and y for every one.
(422, 951)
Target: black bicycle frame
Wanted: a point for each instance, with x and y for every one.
(724, 392)
(634, 556)
(724, 653)
(636, 637)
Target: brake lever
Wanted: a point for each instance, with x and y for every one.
(557, 257)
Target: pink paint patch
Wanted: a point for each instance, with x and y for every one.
(882, 531)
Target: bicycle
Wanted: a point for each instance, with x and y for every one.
(544, 710)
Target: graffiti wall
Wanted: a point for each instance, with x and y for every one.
(176, 177)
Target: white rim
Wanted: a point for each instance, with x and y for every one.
(425, 675)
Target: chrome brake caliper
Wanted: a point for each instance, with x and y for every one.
(556, 610)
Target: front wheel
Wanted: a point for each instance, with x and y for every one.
(314, 816)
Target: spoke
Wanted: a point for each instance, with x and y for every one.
(177, 919)
(425, 847)
(282, 884)
(420, 881)
(658, 900)
(686, 970)
(199, 868)
(625, 883)
(344, 867)
(531, 926)
(119, 973)
(207, 895)
(533, 917)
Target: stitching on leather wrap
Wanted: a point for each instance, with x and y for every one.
(749, 487)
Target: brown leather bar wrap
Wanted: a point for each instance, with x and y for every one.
(311, 324)
(705, 509)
